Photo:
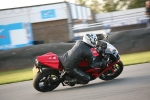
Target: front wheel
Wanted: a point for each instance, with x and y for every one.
(109, 75)
(45, 81)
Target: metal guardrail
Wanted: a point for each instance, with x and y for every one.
(112, 23)
(133, 18)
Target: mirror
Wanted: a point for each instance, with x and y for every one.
(101, 44)
(104, 45)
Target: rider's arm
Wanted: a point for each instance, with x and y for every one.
(91, 61)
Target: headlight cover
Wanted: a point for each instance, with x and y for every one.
(36, 62)
(111, 50)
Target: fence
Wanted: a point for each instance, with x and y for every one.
(120, 22)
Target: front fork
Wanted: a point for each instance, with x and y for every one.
(109, 67)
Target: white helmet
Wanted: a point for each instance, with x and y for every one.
(90, 39)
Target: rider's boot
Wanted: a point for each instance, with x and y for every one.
(77, 81)
(82, 82)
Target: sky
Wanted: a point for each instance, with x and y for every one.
(20, 3)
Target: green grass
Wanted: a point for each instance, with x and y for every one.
(136, 58)
(16, 76)
(26, 74)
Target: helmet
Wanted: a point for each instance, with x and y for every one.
(90, 39)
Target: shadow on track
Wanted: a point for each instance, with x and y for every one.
(92, 85)
(115, 82)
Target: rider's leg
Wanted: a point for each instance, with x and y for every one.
(80, 75)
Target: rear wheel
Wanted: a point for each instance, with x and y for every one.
(46, 81)
(109, 75)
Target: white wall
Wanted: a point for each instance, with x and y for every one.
(81, 12)
(13, 16)
(32, 14)
(60, 12)
(74, 11)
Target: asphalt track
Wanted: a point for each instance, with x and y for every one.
(132, 84)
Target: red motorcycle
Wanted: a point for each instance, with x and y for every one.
(49, 72)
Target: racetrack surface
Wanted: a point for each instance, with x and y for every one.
(132, 84)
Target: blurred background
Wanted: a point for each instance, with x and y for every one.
(31, 30)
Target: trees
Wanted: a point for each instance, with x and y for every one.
(95, 5)
(111, 5)
(105, 6)
(128, 4)
(136, 4)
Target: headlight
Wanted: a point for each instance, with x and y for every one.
(110, 50)
(36, 62)
(114, 50)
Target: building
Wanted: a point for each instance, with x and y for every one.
(48, 22)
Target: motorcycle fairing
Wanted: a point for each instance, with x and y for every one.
(83, 63)
(94, 52)
(50, 60)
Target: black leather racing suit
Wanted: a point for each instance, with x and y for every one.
(73, 57)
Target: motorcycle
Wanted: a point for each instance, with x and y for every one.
(49, 72)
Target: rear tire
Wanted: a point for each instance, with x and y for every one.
(109, 76)
(43, 82)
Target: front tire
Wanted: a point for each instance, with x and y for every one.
(44, 81)
(109, 75)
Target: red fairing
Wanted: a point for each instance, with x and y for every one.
(51, 60)
(94, 51)
(83, 63)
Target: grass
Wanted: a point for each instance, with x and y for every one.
(26, 74)
(16, 76)
(136, 58)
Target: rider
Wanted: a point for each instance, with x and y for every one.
(80, 51)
